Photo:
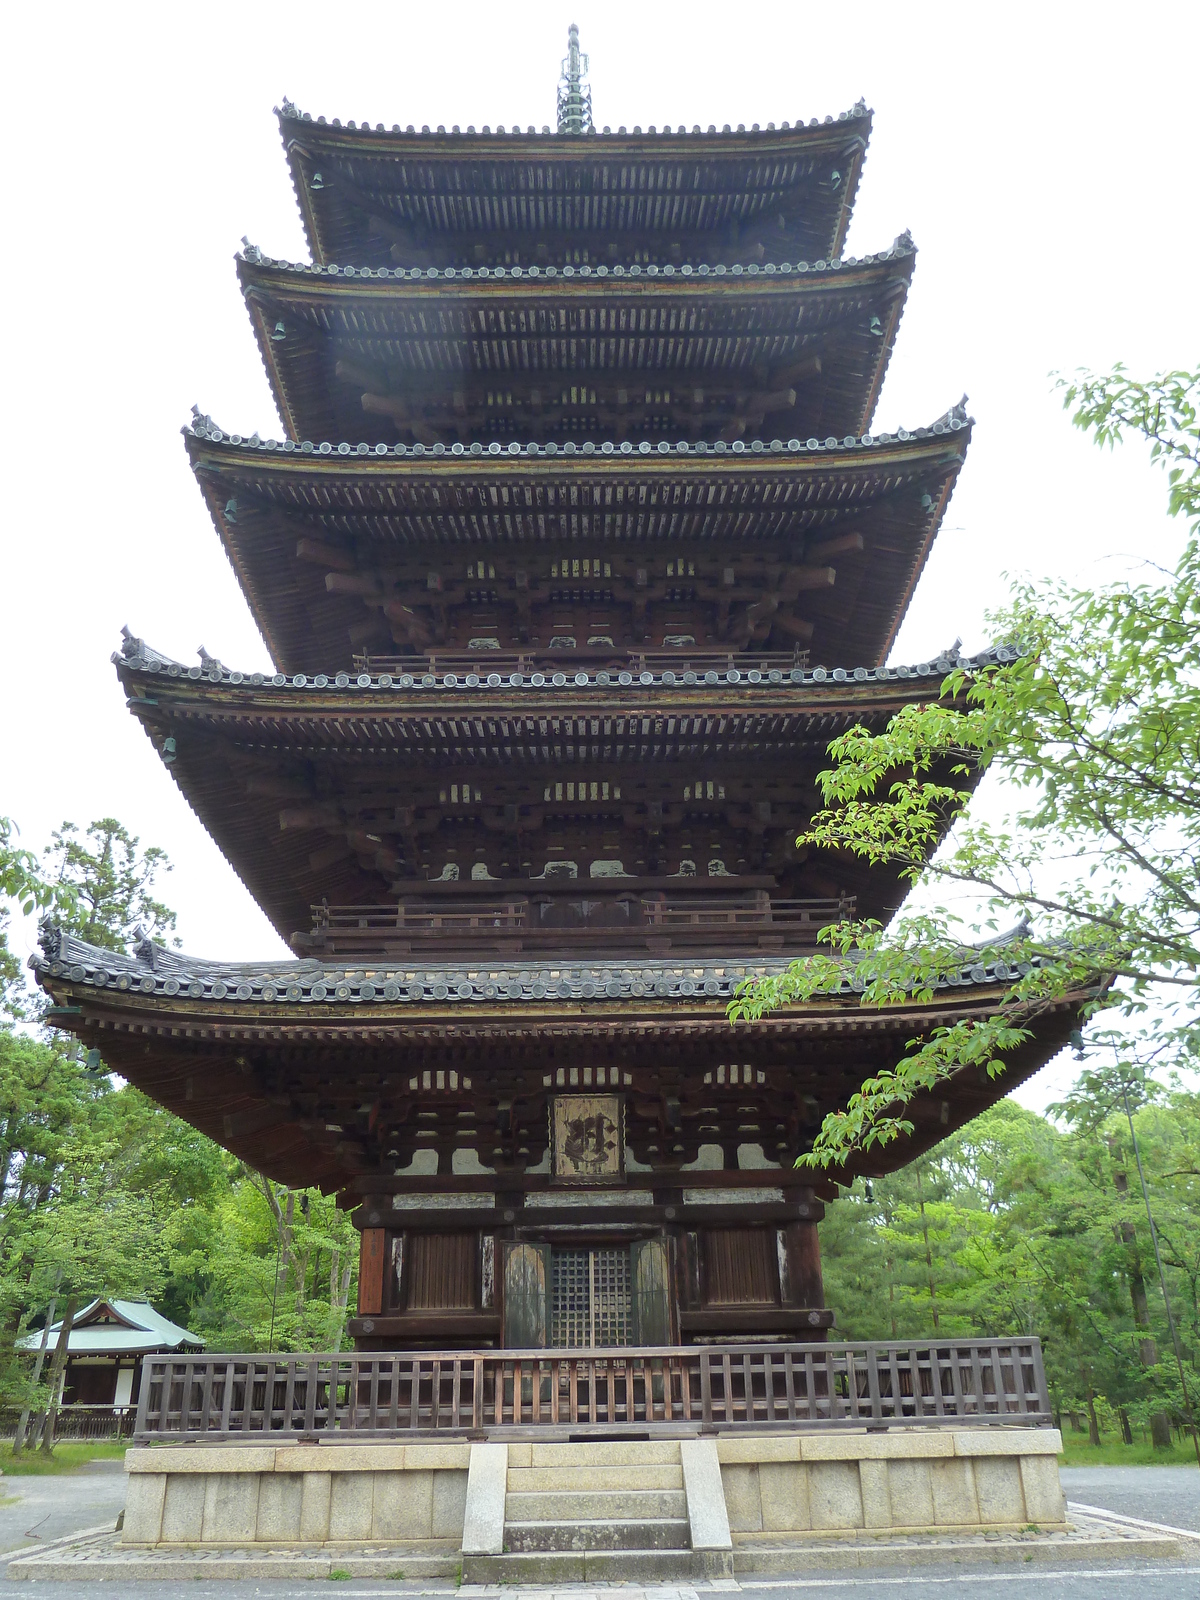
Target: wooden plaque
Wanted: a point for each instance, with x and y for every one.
(588, 1138)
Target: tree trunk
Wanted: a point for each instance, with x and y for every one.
(1093, 1425)
(928, 1253)
(57, 1369)
(23, 1424)
(1126, 1430)
(1160, 1422)
(339, 1300)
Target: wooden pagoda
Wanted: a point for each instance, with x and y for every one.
(562, 628)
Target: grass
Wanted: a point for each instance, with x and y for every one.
(1113, 1452)
(32, 1464)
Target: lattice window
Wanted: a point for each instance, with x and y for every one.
(735, 1074)
(581, 567)
(704, 789)
(587, 1077)
(582, 791)
(591, 1303)
(459, 794)
(440, 1081)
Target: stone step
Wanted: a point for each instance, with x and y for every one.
(533, 1480)
(586, 1504)
(626, 1533)
(597, 1566)
(598, 1453)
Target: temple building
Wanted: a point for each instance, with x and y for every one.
(576, 552)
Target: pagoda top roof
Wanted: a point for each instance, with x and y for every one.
(371, 195)
(406, 501)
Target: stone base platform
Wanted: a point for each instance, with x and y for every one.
(99, 1555)
(658, 1510)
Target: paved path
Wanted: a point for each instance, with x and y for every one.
(1159, 1580)
(54, 1506)
(1159, 1494)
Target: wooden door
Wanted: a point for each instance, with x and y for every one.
(651, 1292)
(525, 1274)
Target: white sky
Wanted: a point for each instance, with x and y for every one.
(1044, 157)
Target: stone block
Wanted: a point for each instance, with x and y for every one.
(483, 1516)
(835, 1495)
(742, 1503)
(315, 1497)
(280, 1495)
(783, 1495)
(898, 1444)
(1007, 1441)
(1044, 1503)
(766, 1447)
(910, 1491)
(609, 1453)
(998, 1490)
(402, 1505)
(708, 1520)
(437, 1457)
(363, 1457)
(876, 1493)
(144, 1497)
(520, 1455)
(954, 1502)
(350, 1506)
(203, 1458)
(449, 1504)
(230, 1507)
(183, 1509)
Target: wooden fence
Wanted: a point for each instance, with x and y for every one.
(78, 1422)
(681, 1389)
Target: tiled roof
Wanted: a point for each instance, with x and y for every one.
(142, 1329)
(136, 656)
(859, 112)
(953, 421)
(901, 248)
(156, 971)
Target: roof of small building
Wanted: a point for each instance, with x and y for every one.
(118, 1327)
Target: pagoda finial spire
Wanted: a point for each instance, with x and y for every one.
(574, 95)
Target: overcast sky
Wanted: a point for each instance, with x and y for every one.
(1044, 157)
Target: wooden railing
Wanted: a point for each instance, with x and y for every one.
(505, 662)
(616, 924)
(682, 1389)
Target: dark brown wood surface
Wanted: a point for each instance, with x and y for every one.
(370, 1271)
(753, 1385)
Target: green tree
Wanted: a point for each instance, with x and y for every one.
(1090, 717)
(109, 880)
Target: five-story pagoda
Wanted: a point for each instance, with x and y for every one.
(561, 633)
